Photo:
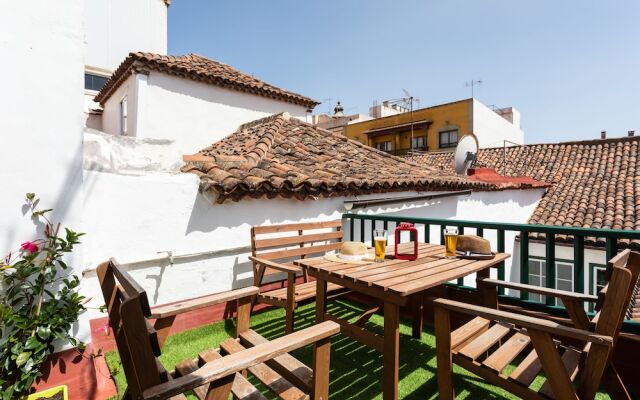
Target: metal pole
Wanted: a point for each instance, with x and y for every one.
(411, 106)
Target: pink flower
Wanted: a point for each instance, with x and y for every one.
(104, 328)
(29, 247)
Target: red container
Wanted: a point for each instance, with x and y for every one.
(413, 234)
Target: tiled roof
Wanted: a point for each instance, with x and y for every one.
(594, 184)
(198, 68)
(282, 156)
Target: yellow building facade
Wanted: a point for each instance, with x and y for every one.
(436, 128)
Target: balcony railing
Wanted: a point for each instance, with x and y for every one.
(360, 227)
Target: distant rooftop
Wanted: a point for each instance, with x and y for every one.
(198, 68)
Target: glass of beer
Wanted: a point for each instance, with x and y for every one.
(380, 243)
(450, 241)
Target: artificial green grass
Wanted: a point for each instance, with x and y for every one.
(356, 370)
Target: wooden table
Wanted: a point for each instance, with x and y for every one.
(394, 283)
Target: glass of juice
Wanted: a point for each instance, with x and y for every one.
(380, 243)
(450, 241)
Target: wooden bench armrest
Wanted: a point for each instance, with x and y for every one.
(274, 265)
(540, 290)
(242, 360)
(524, 321)
(201, 302)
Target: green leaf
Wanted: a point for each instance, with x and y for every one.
(32, 343)
(44, 332)
(22, 358)
(30, 196)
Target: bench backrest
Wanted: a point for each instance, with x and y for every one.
(293, 241)
(136, 339)
(612, 307)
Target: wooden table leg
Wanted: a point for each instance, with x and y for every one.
(391, 359)
(321, 300)
(417, 305)
(488, 293)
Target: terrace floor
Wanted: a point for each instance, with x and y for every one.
(355, 369)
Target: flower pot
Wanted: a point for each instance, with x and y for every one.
(55, 393)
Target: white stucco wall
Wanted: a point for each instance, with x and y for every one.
(111, 112)
(196, 114)
(114, 28)
(42, 115)
(492, 129)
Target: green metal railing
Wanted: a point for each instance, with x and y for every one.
(605, 237)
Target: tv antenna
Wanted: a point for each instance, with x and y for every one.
(409, 99)
(466, 153)
(472, 84)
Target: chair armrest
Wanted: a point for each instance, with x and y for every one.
(540, 290)
(201, 302)
(274, 265)
(524, 321)
(242, 360)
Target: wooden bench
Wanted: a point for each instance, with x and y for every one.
(273, 249)
(495, 339)
(216, 373)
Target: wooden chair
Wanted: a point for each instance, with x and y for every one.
(210, 376)
(494, 339)
(273, 249)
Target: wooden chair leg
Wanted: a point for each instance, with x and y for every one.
(220, 389)
(243, 315)
(613, 383)
(442, 323)
(291, 304)
(321, 355)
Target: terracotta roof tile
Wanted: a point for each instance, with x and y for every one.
(282, 156)
(594, 184)
(198, 68)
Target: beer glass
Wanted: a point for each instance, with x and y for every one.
(450, 241)
(380, 243)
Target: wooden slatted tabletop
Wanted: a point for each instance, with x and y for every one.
(394, 283)
(395, 280)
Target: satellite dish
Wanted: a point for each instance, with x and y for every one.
(466, 153)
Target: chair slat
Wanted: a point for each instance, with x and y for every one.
(300, 251)
(507, 352)
(281, 387)
(296, 227)
(527, 370)
(468, 331)
(286, 365)
(298, 239)
(571, 360)
(482, 343)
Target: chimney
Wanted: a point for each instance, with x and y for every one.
(603, 134)
(631, 133)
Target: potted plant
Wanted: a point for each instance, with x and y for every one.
(39, 303)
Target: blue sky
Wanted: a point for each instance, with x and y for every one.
(572, 68)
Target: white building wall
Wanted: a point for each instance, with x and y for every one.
(41, 119)
(492, 130)
(111, 112)
(114, 28)
(196, 114)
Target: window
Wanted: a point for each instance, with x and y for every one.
(597, 279)
(448, 138)
(384, 146)
(419, 143)
(94, 82)
(123, 116)
(538, 277)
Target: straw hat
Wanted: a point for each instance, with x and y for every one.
(352, 253)
(473, 247)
